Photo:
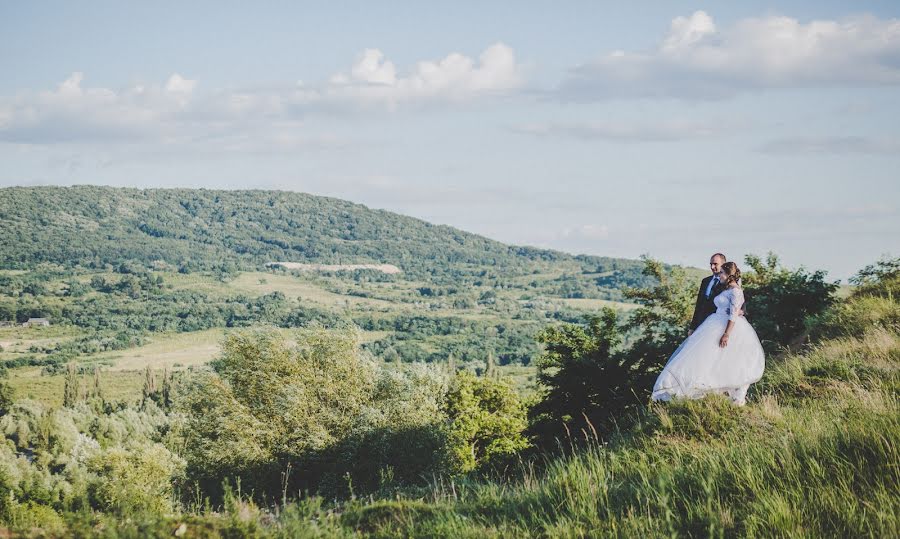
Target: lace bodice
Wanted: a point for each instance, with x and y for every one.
(729, 302)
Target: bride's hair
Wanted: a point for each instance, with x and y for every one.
(732, 273)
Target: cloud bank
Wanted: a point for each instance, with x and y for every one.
(832, 145)
(697, 60)
(664, 131)
(174, 112)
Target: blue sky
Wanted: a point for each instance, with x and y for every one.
(670, 128)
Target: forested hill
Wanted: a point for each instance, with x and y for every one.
(198, 229)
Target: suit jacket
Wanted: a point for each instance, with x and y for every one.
(704, 305)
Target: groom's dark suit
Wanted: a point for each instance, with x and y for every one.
(705, 306)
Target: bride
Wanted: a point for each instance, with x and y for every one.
(722, 356)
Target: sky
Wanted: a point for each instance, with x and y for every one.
(674, 129)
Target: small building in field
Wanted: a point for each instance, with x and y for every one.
(36, 322)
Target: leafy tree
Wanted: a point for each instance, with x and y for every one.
(6, 396)
(879, 279)
(165, 393)
(779, 300)
(148, 391)
(485, 423)
(318, 407)
(72, 386)
(582, 377)
(490, 366)
(132, 481)
(665, 312)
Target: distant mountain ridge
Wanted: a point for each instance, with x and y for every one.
(201, 229)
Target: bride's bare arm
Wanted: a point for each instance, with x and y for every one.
(723, 342)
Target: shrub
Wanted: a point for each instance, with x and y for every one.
(586, 382)
(290, 418)
(135, 481)
(879, 279)
(485, 423)
(779, 301)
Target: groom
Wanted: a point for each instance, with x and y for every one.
(710, 287)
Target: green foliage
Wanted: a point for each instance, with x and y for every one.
(72, 390)
(660, 322)
(779, 300)
(56, 461)
(879, 279)
(485, 424)
(134, 481)
(589, 379)
(309, 407)
(224, 231)
(585, 382)
(29, 516)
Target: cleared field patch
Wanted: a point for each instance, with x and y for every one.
(196, 282)
(259, 283)
(175, 351)
(372, 336)
(590, 304)
(165, 351)
(116, 385)
(384, 268)
(18, 339)
(522, 378)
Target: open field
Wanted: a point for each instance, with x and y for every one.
(590, 304)
(384, 268)
(169, 351)
(16, 340)
(261, 283)
(122, 386)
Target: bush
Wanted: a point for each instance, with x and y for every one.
(135, 481)
(485, 424)
(285, 418)
(779, 301)
(879, 279)
(586, 381)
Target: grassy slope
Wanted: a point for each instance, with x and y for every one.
(816, 453)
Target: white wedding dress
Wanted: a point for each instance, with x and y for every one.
(700, 366)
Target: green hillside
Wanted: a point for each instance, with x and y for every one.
(198, 229)
(119, 271)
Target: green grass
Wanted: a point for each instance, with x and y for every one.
(16, 340)
(164, 351)
(118, 386)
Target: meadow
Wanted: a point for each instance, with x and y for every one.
(184, 389)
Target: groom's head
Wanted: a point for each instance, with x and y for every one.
(716, 261)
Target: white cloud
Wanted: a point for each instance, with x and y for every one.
(174, 113)
(585, 232)
(698, 60)
(835, 145)
(72, 113)
(456, 77)
(612, 132)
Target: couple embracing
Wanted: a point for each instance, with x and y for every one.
(722, 353)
